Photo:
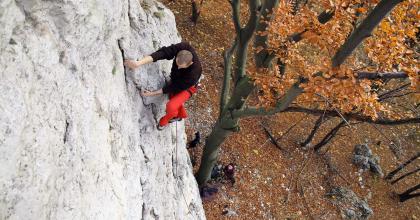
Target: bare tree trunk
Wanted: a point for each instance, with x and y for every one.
(329, 136)
(195, 10)
(400, 167)
(313, 132)
(408, 193)
(405, 175)
(211, 151)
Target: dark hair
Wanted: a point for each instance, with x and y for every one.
(184, 57)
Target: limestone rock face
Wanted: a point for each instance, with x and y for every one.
(76, 139)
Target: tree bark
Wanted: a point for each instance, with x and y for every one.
(211, 150)
(227, 56)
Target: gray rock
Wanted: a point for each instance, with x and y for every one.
(365, 160)
(375, 168)
(361, 162)
(349, 214)
(351, 206)
(363, 149)
(76, 139)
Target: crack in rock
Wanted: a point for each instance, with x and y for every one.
(66, 132)
(120, 46)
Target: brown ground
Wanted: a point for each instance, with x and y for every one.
(274, 185)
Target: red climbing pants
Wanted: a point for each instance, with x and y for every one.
(175, 106)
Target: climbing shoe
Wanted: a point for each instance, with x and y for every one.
(175, 119)
(160, 128)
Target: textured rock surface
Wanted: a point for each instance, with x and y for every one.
(365, 160)
(76, 139)
(350, 205)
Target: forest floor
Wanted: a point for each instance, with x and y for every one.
(290, 184)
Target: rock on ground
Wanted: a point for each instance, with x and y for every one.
(365, 160)
(351, 206)
(76, 139)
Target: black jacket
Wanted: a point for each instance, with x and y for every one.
(181, 79)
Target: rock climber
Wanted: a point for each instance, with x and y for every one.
(185, 74)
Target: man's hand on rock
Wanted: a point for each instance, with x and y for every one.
(132, 64)
(146, 93)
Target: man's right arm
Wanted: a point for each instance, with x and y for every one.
(133, 64)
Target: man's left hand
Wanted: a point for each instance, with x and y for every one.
(147, 93)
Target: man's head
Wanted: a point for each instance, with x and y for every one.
(184, 59)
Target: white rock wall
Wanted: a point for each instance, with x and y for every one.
(76, 139)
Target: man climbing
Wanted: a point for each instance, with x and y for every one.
(185, 73)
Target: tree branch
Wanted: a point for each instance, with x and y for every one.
(281, 105)
(323, 18)
(327, 138)
(396, 96)
(407, 194)
(311, 135)
(272, 139)
(353, 116)
(400, 167)
(405, 175)
(390, 92)
(249, 29)
(227, 56)
(363, 30)
(236, 15)
(263, 58)
(370, 75)
(244, 36)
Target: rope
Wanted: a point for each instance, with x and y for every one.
(176, 166)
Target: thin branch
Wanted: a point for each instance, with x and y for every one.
(354, 116)
(328, 101)
(400, 167)
(405, 175)
(400, 88)
(323, 18)
(386, 137)
(288, 130)
(397, 96)
(272, 139)
(364, 30)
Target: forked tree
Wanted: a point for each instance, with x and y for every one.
(302, 54)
